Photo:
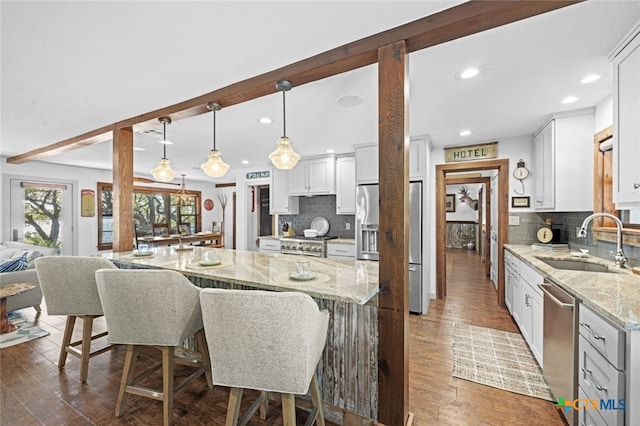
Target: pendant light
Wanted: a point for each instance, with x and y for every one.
(183, 194)
(214, 166)
(163, 171)
(284, 157)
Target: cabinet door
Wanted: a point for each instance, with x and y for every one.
(367, 164)
(298, 182)
(544, 167)
(517, 304)
(279, 200)
(525, 311)
(626, 131)
(346, 185)
(508, 288)
(321, 175)
(537, 323)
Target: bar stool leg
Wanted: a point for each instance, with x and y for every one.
(289, 409)
(233, 410)
(66, 340)
(203, 348)
(127, 378)
(87, 329)
(167, 384)
(317, 400)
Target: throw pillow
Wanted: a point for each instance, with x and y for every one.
(17, 264)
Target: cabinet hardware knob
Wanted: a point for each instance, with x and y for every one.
(636, 185)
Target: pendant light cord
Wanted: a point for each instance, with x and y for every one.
(164, 142)
(284, 113)
(214, 129)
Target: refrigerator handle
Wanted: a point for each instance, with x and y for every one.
(412, 269)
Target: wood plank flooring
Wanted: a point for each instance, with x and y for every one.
(34, 392)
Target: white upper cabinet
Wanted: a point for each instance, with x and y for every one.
(346, 185)
(313, 176)
(563, 163)
(279, 200)
(367, 162)
(626, 123)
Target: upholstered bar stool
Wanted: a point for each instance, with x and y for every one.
(266, 341)
(157, 308)
(69, 287)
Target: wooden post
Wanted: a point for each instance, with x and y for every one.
(122, 189)
(393, 174)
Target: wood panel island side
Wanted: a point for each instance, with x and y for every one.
(348, 369)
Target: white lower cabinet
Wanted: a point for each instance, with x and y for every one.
(524, 300)
(601, 366)
(341, 251)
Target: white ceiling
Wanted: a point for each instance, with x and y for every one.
(71, 67)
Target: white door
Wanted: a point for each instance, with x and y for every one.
(494, 231)
(41, 213)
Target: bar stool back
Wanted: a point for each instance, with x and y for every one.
(267, 341)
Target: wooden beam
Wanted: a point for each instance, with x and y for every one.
(393, 173)
(459, 21)
(123, 189)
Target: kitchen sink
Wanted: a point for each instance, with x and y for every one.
(576, 265)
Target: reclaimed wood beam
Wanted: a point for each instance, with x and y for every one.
(123, 233)
(393, 175)
(459, 21)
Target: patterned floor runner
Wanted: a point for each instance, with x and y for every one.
(26, 331)
(498, 359)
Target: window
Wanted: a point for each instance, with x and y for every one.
(150, 205)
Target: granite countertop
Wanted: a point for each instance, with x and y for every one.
(348, 281)
(345, 241)
(614, 295)
(270, 237)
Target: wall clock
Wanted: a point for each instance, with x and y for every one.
(208, 204)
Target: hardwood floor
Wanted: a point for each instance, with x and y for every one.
(34, 392)
(435, 396)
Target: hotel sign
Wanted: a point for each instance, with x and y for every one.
(471, 152)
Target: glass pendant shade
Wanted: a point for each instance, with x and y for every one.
(163, 171)
(214, 166)
(284, 157)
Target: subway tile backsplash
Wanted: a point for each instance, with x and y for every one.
(320, 205)
(525, 233)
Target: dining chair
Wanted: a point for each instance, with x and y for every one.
(69, 287)
(153, 308)
(266, 341)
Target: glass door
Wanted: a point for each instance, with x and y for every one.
(42, 214)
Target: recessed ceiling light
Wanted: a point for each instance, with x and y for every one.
(330, 151)
(265, 120)
(166, 142)
(245, 162)
(469, 73)
(465, 132)
(569, 100)
(590, 78)
(137, 148)
(350, 101)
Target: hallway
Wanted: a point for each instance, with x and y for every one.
(435, 396)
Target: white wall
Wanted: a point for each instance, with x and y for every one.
(463, 212)
(86, 228)
(604, 113)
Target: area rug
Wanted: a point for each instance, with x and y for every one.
(24, 332)
(498, 359)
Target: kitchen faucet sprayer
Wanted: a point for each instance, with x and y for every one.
(619, 257)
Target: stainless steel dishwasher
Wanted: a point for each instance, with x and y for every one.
(560, 346)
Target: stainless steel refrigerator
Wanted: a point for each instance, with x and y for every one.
(367, 224)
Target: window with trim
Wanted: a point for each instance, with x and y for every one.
(150, 205)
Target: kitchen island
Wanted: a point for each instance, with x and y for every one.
(346, 288)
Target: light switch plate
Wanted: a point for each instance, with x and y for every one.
(514, 220)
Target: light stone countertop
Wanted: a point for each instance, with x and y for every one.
(345, 241)
(353, 281)
(614, 295)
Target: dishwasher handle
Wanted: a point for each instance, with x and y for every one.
(554, 299)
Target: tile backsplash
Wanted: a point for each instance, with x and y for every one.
(525, 233)
(320, 205)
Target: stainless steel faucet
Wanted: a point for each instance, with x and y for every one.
(619, 257)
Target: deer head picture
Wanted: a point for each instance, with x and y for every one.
(465, 198)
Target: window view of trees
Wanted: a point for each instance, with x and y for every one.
(42, 209)
(150, 206)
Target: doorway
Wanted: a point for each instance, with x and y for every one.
(501, 197)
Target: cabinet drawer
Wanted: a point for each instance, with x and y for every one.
(532, 277)
(607, 338)
(588, 416)
(600, 381)
(345, 250)
(269, 244)
(511, 261)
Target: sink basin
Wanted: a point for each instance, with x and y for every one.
(576, 265)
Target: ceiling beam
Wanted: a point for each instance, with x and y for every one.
(459, 21)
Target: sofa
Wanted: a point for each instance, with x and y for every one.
(12, 250)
